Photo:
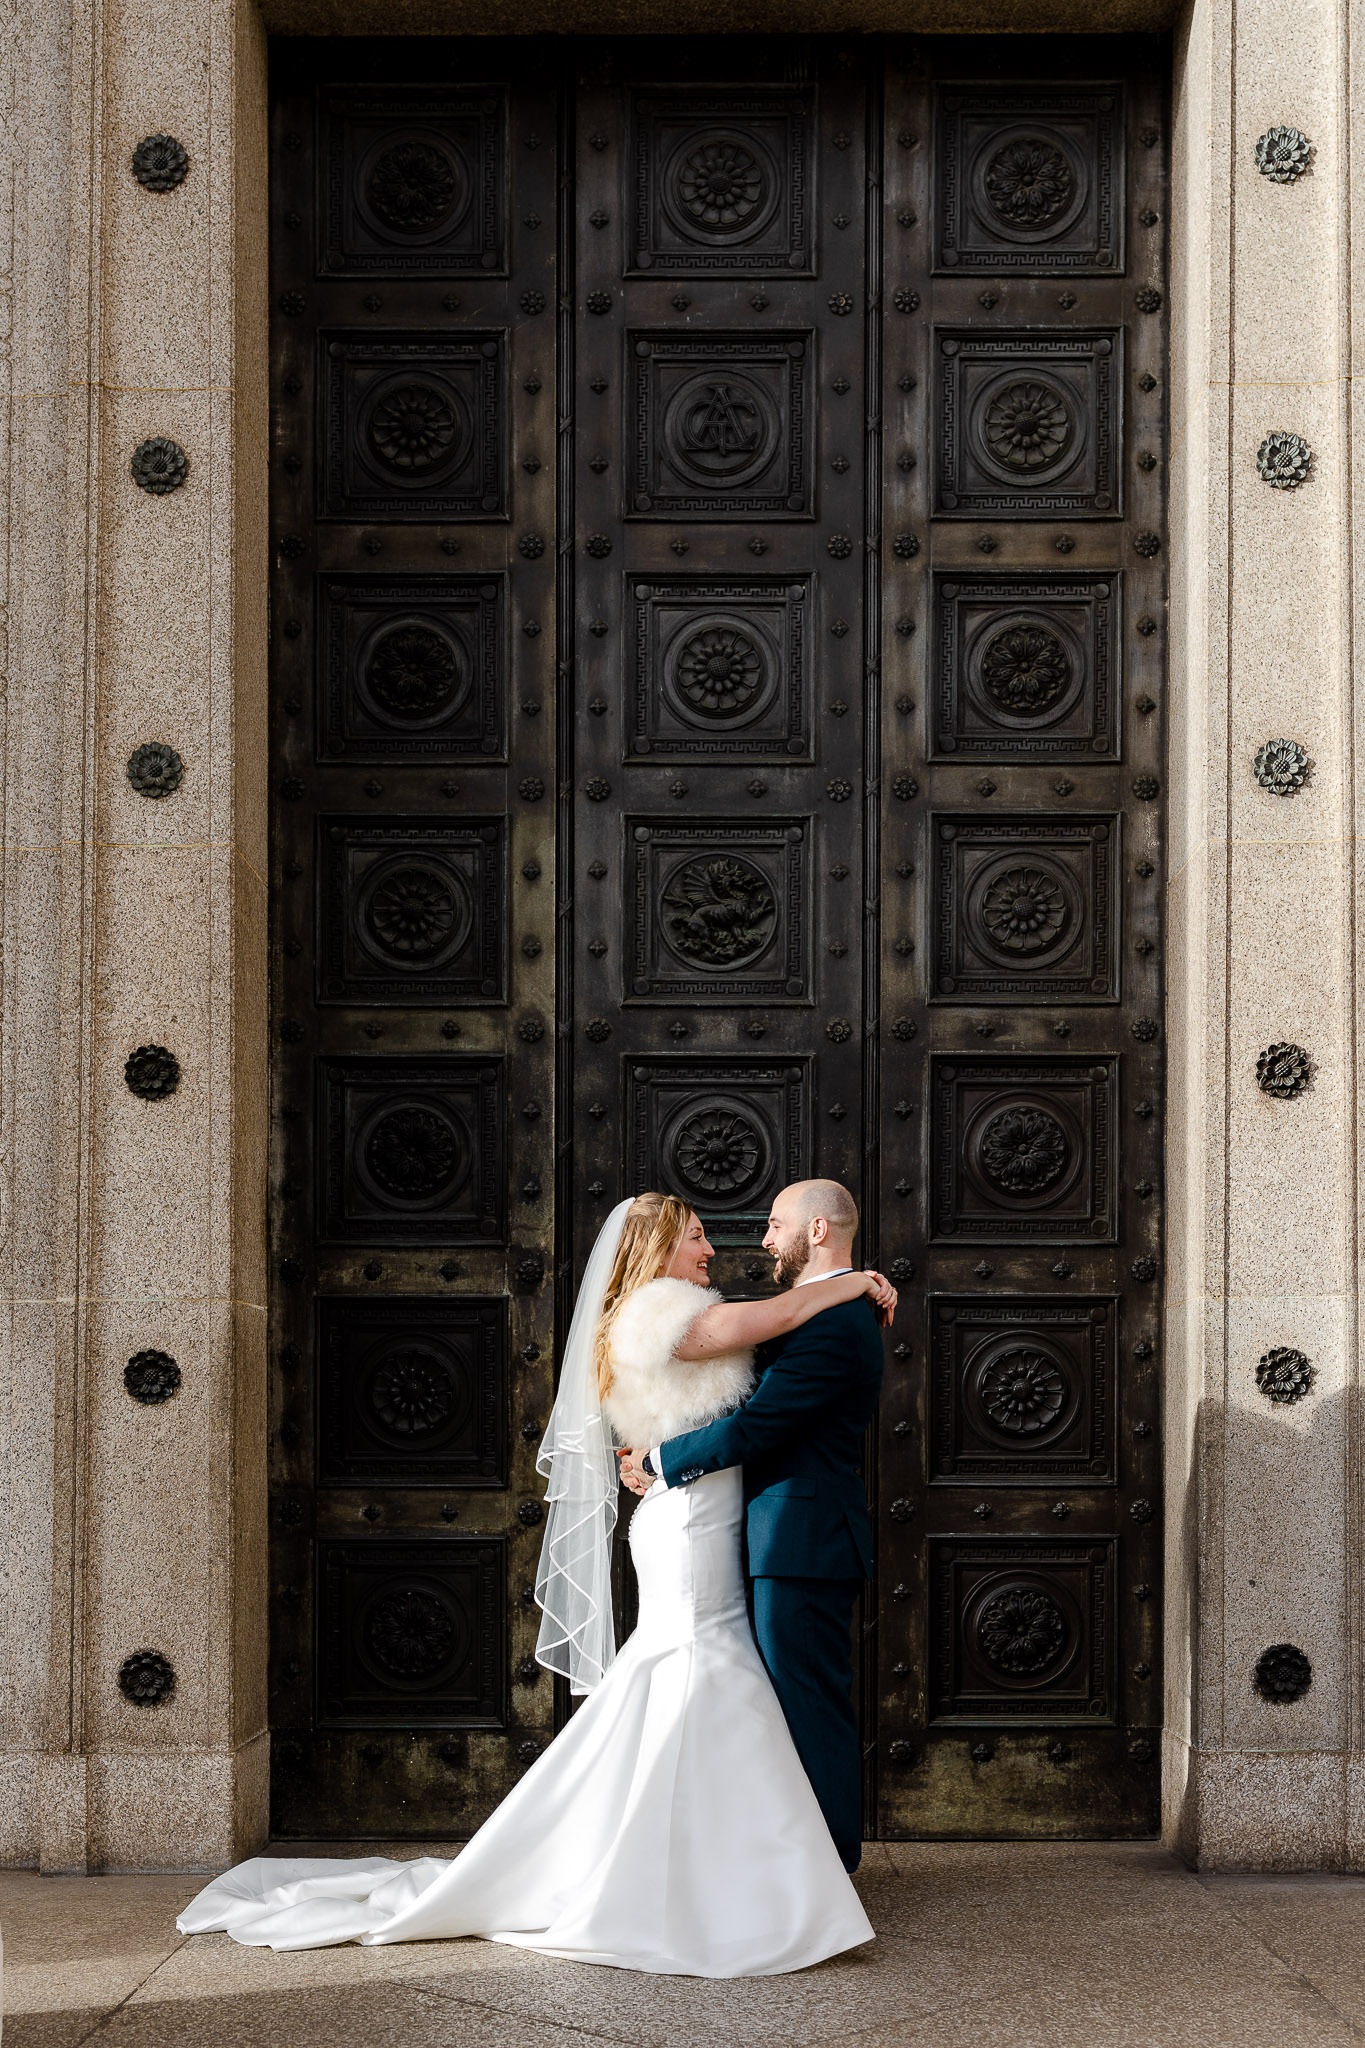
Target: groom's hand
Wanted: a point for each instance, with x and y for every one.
(631, 1475)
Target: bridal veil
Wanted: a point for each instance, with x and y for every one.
(573, 1581)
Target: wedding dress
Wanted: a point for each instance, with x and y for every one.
(670, 1826)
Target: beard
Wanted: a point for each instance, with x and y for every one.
(789, 1265)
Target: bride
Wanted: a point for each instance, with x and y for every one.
(669, 1827)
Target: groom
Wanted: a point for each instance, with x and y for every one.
(799, 1438)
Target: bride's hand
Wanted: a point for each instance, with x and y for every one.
(883, 1295)
(639, 1482)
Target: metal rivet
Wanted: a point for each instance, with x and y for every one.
(159, 466)
(152, 1072)
(1283, 1070)
(146, 1678)
(1281, 766)
(1283, 461)
(1283, 1674)
(151, 1377)
(1284, 1375)
(1283, 154)
(155, 770)
(160, 163)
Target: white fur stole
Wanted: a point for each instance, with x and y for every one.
(653, 1394)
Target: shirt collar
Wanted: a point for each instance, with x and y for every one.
(810, 1277)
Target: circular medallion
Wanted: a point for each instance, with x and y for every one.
(1282, 1070)
(152, 1072)
(1026, 185)
(1021, 1391)
(413, 914)
(1022, 672)
(1018, 1387)
(414, 1153)
(1281, 766)
(413, 431)
(410, 1632)
(159, 466)
(718, 913)
(411, 1392)
(415, 186)
(1023, 1150)
(1025, 669)
(415, 428)
(1021, 1631)
(415, 670)
(1283, 461)
(1020, 910)
(718, 1151)
(721, 430)
(720, 672)
(720, 186)
(1025, 427)
(1029, 183)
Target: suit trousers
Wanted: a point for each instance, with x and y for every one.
(804, 1632)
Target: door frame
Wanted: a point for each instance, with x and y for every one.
(285, 19)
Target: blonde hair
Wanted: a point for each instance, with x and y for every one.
(653, 1230)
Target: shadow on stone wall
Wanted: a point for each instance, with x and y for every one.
(1259, 1547)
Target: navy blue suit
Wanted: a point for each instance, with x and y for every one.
(799, 1437)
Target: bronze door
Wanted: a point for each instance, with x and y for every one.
(1019, 1457)
(716, 631)
(413, 629)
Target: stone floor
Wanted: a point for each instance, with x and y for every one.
(985, 1945)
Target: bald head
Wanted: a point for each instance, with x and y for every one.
(807, 1200)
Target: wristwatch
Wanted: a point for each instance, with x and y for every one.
(647, 1465)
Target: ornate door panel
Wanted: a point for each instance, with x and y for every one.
(1018, 1462)
(412, 622)
(719, 564)
(715, 636)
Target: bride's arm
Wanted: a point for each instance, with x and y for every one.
(736, 1325)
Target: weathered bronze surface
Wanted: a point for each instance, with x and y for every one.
(718, 670)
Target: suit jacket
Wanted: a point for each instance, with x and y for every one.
(799, 1438)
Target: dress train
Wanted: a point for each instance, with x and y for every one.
(668, 1828)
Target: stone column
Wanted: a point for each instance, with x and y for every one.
(133, 1224)
(1263, 1537)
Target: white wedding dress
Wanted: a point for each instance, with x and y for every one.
(670, 1826)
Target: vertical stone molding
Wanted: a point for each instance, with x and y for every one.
(134, 1223)
(1261, 1535)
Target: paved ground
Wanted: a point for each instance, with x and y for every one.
(979, 1946)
